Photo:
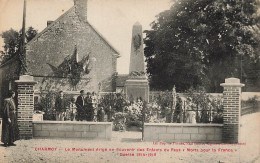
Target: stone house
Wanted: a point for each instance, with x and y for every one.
(55, 45)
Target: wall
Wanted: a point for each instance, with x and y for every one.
(247, 95)
(176, 132)
(154, 94)
(8, 74)
(72, 129)
(57, 41)
(244, 95)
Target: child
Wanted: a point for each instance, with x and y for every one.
(73, 110)
(101, 114)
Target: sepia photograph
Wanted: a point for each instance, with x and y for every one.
(123, 81)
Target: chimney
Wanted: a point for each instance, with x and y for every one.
(49, 22)
(81, 9)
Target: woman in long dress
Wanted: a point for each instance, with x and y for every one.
(10, 131)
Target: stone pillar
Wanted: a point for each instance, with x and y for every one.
(137, 84)
(25, 89)
(232, 108)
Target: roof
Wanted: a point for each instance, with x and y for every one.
(121, 79)
(9, 60)
(62, 16)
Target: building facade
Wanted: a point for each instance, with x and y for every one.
(55, 45)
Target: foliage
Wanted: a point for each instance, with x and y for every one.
(47, 103)
(108, 100)
(153, 113)
(12, 41)
(30, 34)
(136, 111)
(113, 103)
(119, 121)
(218, 117)
(164, 100)
(198, 97)
(72, 69)
(134, 114)
(217, 105)
(56, 84)
(251, 102)
(205, 106)
(202, 42)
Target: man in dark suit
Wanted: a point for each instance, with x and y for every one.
(89, 107)
(79, 104)
(10, 131)
(60, 107)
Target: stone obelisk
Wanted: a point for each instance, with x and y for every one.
(137, 85)
(137, 52)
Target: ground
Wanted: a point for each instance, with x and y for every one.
(26, 150)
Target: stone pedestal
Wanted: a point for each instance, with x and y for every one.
(232, 108)
(135, 88)
(25, 91)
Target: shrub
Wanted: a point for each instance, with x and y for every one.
(47, 104)
(153, 113)
(134, 115)
(113, 103)
(250, 102)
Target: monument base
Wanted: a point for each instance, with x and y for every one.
(136, 88)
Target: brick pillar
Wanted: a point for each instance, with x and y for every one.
(25, 105)
(232, 107)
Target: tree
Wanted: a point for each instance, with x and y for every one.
(30, 34)
(201, 42)
(12, 41)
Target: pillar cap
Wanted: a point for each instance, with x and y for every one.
(232, 82)
(26, 79)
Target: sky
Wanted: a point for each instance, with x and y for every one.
(112, 18)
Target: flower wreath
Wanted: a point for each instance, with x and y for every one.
(137, 41)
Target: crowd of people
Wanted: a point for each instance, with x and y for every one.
(84, 108)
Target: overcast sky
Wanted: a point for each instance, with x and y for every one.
(112, 18)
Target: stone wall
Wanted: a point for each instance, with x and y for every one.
(9, 72)
(176, 132)
(72, 129)
(58, 40)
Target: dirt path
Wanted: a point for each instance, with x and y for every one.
(29, 150)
